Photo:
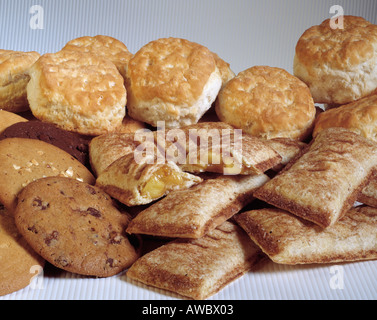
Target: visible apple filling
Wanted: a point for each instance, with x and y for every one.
(164, 179)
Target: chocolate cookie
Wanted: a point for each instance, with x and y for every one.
(75, 226)
(72, 143)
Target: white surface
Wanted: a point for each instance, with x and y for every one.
(242, 32)
(270, 282)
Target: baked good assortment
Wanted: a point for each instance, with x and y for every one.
(169, 143)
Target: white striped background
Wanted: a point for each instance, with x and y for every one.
(242, 32)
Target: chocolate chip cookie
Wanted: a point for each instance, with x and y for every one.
(75, 226)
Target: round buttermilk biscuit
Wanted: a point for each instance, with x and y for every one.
(103, 46)
(267, 102)
(79, 92)
(359, 116)
(172, 80)
(338, 65)
(14, 76)
(75, 226)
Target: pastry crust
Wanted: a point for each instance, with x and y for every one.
(193, 212)
(106, 148)
(287, 239)
(338, 65)
(359, 116)
(172, 80)
(323, 184)
(77, 91)
(217, 147)
(14, 76)
(127, 179)
(267, 102)
(103, 46)
(199, 268)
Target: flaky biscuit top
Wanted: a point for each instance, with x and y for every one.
(339, 48)
(84, 81)
(14, 64)
(170, 69)
(267, 102)
(103, 46)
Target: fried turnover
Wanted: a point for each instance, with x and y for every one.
(106, 148)
(288, 239)
(217, 147)
(359, 116)
(199, 268)
(323, 184)
(193, 212)
(137, 182)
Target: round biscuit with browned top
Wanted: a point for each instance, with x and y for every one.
(338, 63)
(14, 76)
(78, 91)
(172, 80)
(104, 46)
(267, 102)
(75, 226)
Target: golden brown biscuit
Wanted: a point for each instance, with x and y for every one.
(14, 76)
(323, 184)
(103, 46)
(359, 116)
(193, 212)
(172, 80)
(338, 64)
(19, 263)
(267, 102)
(135, 181)
(224, 67)
(25, 160)
(77, 91)
(288, 239)
(8, 118)
(199, 268)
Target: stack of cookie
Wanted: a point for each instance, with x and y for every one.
(102, 150)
